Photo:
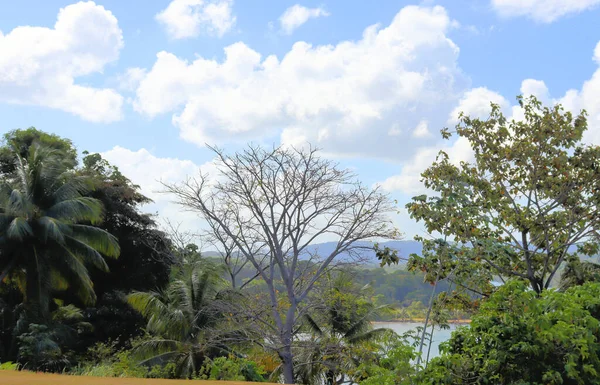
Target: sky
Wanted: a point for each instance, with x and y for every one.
(148, 83)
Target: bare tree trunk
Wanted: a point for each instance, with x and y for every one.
(286, 354)
(269, 206)
(430, 343)
(287, 364)
(426, 323)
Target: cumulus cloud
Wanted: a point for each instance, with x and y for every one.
(422, 130)
(130, 80)
(148, 171)
(39, 65)
(409, 179)
(544, 11)
(537, 88)
(296, 15)
(345, 98)
(477, 103)
(189, 18)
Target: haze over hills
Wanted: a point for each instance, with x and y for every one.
(405, 248)
(368, 257)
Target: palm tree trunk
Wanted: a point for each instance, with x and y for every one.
(36, 306)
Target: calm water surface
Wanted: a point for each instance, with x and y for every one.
(439, 336)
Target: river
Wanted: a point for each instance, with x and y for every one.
(439, 336)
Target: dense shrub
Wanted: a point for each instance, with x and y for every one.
(520, 337)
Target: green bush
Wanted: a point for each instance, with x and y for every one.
(105, 360)
(519, 337)
(9, 366)
(39, 349)
(232, 368)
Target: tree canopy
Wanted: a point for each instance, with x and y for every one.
(527, 201)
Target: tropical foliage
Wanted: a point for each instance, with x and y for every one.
(342, 335)
(520, 337)
(48, 235)
(182, 319)
(90, 285)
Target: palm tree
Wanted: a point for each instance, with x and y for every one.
(181, 319)
(578, 272)
(47, 233)
(339, 338)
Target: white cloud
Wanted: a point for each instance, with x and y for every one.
(544, 11)
(537, 88)
(344, 98)
(296, 15)
(189, 18)
(587, 98)
(574, 100)
(477, 103)
(39, 65)
(148, 171)
(130, 80)
(597, 53)
(422, 130)
(409, 179)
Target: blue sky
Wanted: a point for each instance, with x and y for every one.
(373, 100)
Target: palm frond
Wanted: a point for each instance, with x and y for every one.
(369, 335)
(18, 229)
(160, 359)
(78, 209)
(313, 325)
(181, 295)
(76, 273)
(156, 348)
(174, 323)
(364, 323)
(68, 314)
(85, 253)
(73, 188)
(147, 304)
(52, 229)
(17, 204)
(98, 239)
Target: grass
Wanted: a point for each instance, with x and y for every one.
(31, 378)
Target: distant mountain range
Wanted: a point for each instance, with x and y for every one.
(404, 249)
(368, 257)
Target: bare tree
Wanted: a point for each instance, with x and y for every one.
(277, 203)
(233, 259)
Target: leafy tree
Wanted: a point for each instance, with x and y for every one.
(182, 319)
(527, 201)
(17, 142)
(395, 363)
(146, 252)
(48, 226)
(520, 337)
